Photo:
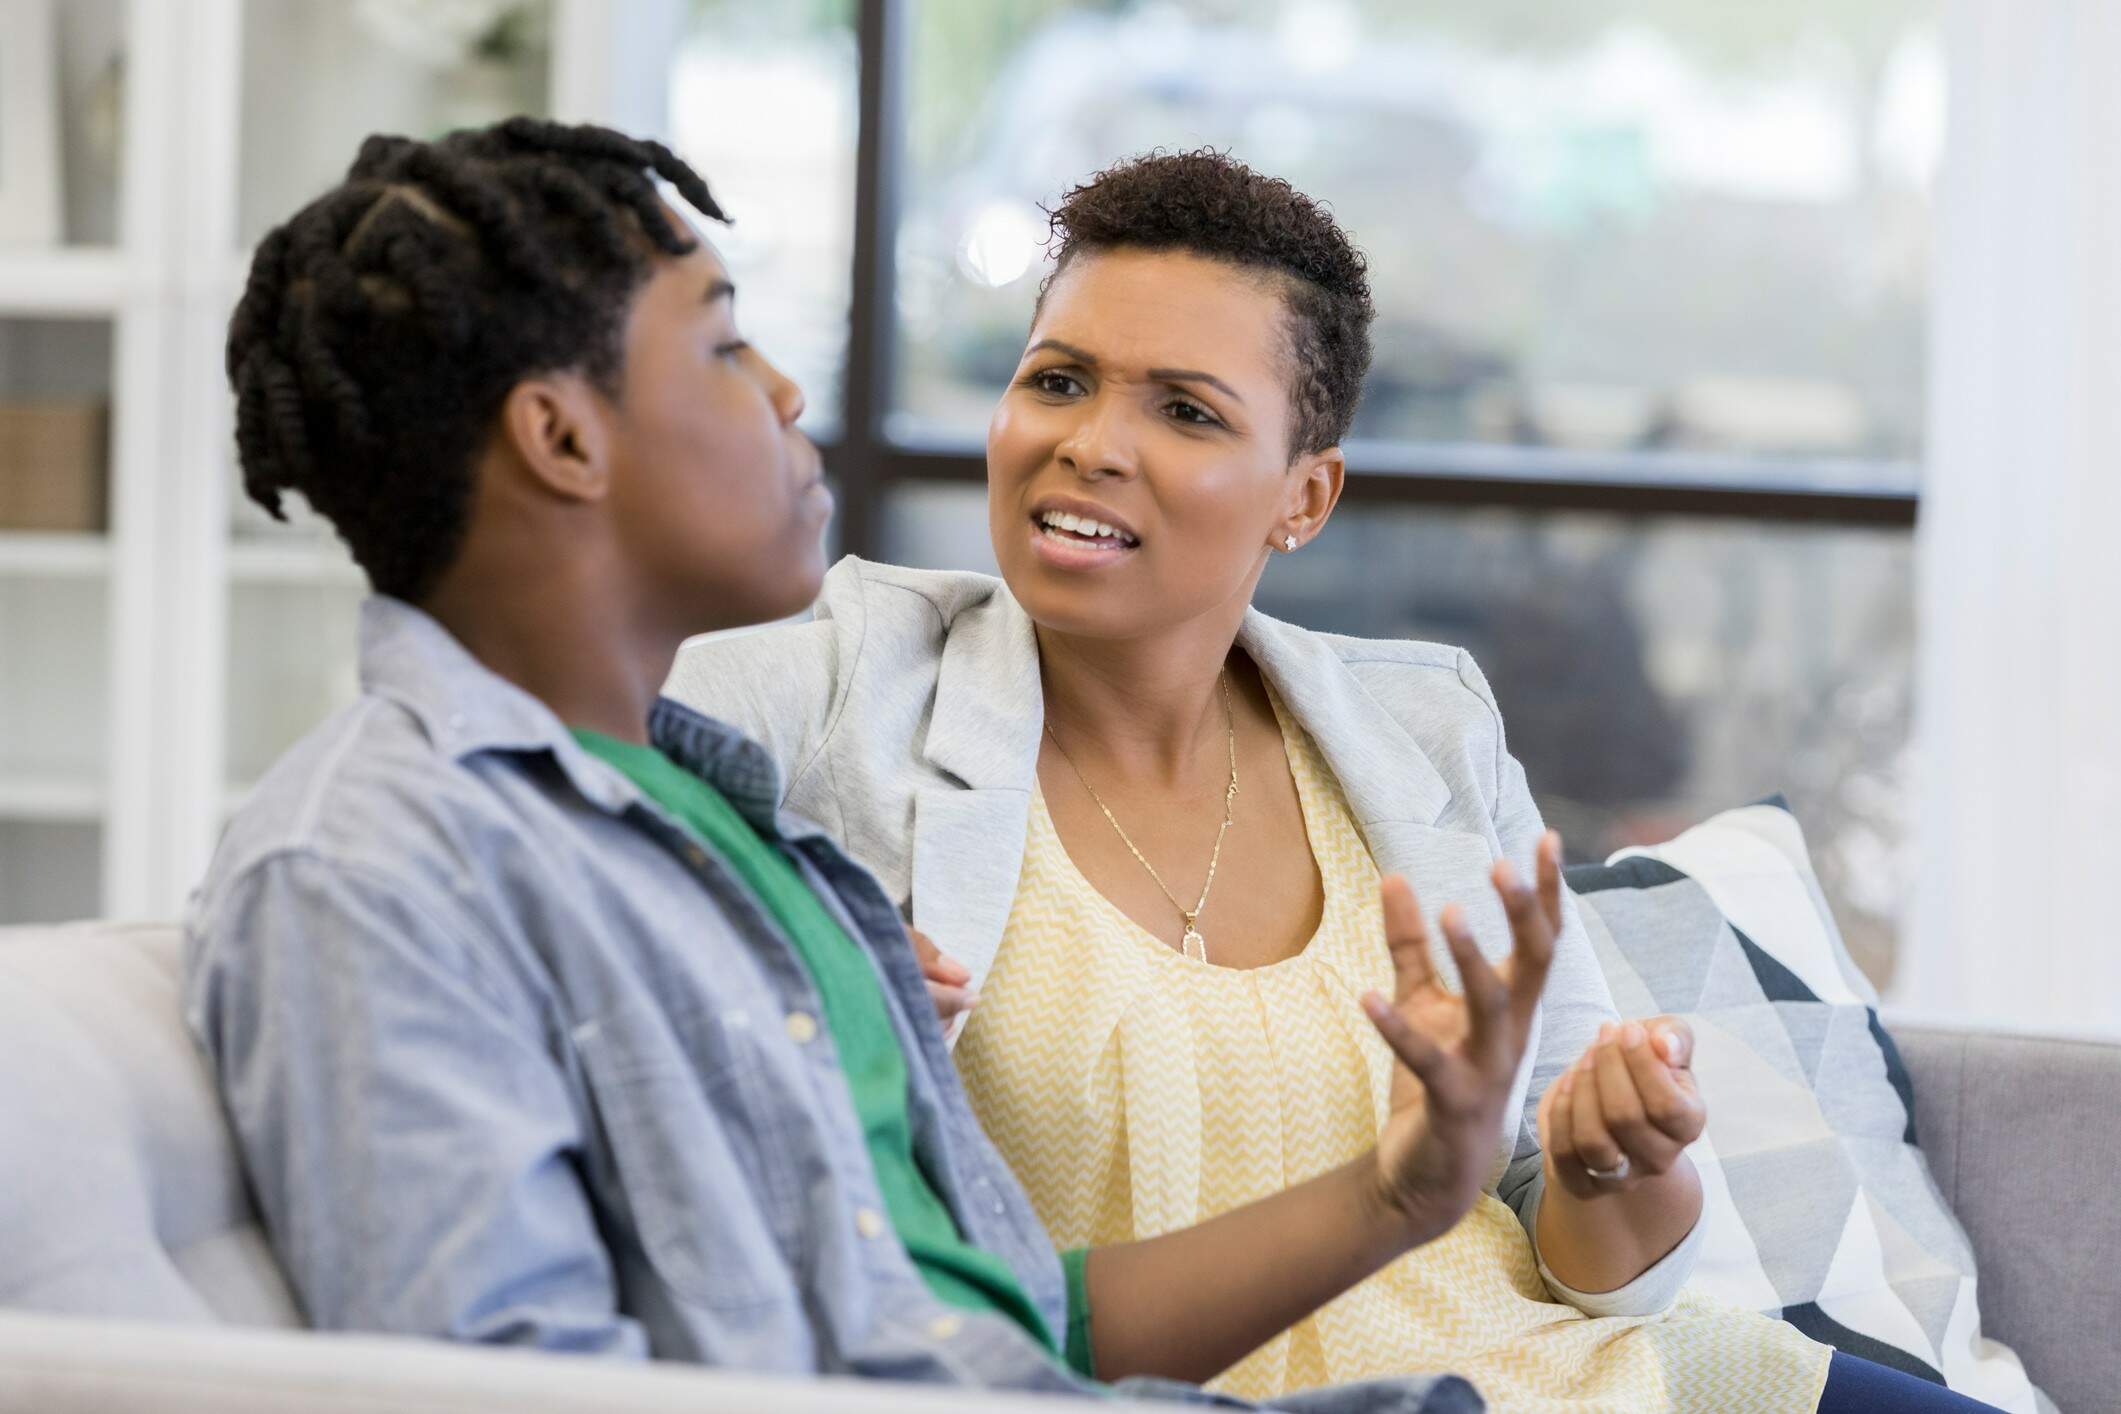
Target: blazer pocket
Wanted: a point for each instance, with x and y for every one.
(669, 1096)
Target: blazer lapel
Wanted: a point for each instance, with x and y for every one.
(968, 840)
(1394, 791)
(968, 849)
(1397, 796)
(1385, 775)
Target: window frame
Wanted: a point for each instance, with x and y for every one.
(866, 464)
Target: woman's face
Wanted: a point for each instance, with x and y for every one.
(1152, 402)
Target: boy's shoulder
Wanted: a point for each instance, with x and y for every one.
(368, 790)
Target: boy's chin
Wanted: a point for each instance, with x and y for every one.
(782, 591)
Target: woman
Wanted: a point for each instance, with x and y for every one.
(1151, 823)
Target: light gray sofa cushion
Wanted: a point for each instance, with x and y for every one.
(58, 1365)
(120, 1190)
(2024, 1137)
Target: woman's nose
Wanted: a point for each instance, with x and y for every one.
(1098, 444)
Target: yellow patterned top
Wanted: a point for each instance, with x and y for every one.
(1136, 1091)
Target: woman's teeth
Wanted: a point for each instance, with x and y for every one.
(1077, 527)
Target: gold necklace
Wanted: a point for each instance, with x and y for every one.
(1192, 943)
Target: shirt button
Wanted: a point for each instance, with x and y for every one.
(944, 1327)
(802, 1027)
(869, 1222)
(695, 856)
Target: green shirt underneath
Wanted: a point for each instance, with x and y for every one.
(856, 1014)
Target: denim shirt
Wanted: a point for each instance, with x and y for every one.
(511, 1057)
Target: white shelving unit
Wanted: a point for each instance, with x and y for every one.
(149, 673)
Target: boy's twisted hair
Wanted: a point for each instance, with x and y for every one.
(384, 324)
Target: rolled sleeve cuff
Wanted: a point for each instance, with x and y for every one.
(1648, 1294)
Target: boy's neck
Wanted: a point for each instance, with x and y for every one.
(569, 646)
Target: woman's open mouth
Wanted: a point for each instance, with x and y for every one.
(1065, 540)
(1067, 528)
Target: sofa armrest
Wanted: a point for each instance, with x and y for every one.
(78, 1365)
(2023, 1135)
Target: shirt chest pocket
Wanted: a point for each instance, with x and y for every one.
(697, 1156)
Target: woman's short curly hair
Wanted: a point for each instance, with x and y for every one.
(1209, 204)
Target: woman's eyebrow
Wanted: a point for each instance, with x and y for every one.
(1161, 375)
(1194, 375)
(1081, 356)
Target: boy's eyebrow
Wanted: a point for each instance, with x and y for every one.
(1162, 375)
(720, 289)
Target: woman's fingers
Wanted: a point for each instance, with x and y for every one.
(1673, 1038)
(1547, 865)
(951, 1001)
(1620, 1104)
(1532, 933)
(1595, 1145)
(1416, 1050)
(1560, 1103)
(1673, 1108)
(949, 981)
(936, 965)
(1487, 998)
(1407, 936)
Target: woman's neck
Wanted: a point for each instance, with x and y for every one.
(1139, 707)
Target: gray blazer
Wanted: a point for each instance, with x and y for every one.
(906, 716)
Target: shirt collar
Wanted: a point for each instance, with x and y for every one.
(466, 709)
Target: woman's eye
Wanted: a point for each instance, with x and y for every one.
(1184, 411)
(1060, 385)
(731, 349)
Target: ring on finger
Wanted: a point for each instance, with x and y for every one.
(1612, 1175)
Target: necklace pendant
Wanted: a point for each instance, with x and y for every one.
(1193, 944)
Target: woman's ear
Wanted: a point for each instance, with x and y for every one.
(1314, 487)
(559, 430)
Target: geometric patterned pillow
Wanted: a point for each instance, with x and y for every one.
(1818, 1206)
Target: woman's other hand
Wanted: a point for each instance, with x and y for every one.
(1626, 1111)
(949, 983)
(1459, 1052)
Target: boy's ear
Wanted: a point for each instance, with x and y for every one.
(560, 431)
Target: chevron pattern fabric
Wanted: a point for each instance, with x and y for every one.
(1136, 1091)
(1819, 1205)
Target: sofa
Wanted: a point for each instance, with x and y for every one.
(134, 1274)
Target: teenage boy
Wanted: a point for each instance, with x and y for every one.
(538, 1023)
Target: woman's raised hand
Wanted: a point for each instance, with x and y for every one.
(1625, 1111)
(1459, 1052)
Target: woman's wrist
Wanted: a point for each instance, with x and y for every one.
(1602, 1241)
(1394, 1218)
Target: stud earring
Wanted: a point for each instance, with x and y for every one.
(1288, 542)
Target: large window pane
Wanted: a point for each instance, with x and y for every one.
(1619, 227)
(1651, 671)
(763, 102)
